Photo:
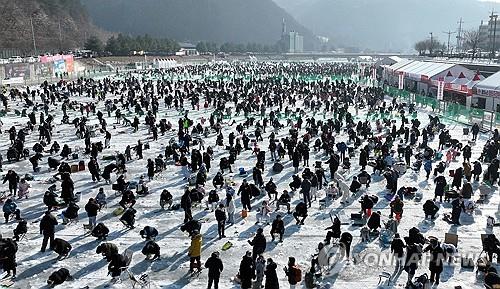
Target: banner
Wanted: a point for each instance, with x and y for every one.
(401, 80)
(61, 63)
(70, 64)
(17, 70)
(43, 69)
(440, 89)
(59, 66)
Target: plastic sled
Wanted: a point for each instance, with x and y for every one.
(118, 211)
(227, 246)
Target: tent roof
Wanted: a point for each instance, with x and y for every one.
(400, 64)
(396, 58)
(432, 69)
(490, 83)
(417, 69)
(411, 67)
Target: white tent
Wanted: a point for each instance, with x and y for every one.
(399, 65)
(489, 86)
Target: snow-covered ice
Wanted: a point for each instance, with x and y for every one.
(89, 269)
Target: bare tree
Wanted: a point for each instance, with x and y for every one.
(421, 47)
(434, 47)
(471, 41)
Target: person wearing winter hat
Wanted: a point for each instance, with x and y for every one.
(215, 267)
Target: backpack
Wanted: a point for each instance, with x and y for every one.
(297, 274)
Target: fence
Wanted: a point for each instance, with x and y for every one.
(448, 110)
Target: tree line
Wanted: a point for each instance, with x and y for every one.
(123, 45)
(229, 47)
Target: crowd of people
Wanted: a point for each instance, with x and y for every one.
(312, 145)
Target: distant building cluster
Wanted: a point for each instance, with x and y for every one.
(489, 34)
(294, 42)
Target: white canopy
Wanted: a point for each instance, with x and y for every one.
(399, 65)
(489, 86)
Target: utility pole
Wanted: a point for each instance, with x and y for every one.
(449, 36)
(33, 34)
(431, 48)
(459, 36)
(493, 40)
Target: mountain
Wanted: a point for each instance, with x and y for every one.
(57, 24)
(386, 25)
(238, 21)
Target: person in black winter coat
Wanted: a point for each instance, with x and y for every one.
(220, 217)
(345, 244)
(305, 190)
(246, 195)
(374, 221)
(21, 229)
(59, 277)
(475, 131)
(67, 188)
(94, 170)
(430, 209)
(413, 256)
(300, 212)
(149, 233)
(215, 268)
(397, 248)
(166, 198)
(128, 218)
(437, 259)
(47, 228)
(333, 163)
(247, 271)
(151, 169)
(491, 246)
(258, 243)
(62, 248)
(457, 178)
(151, 248)
(271, 275)
(456, 209)
(8, 256)
(439, 191)
(107, 250)
(108, 169)
(278, 227)
(367, 205)
(128, 199)
(476, 171)
(363, 159)
(355, 185)
(296, 160)
(71, 212)
(186, 204)
(92, 207)
(257, 177)
(271, 189)
(491, 278)
(296, 183)
(117, 265)
(218, 180)
(100, 231)
(13, 178)
(334, 232)
(467, 153)
(284, 200)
